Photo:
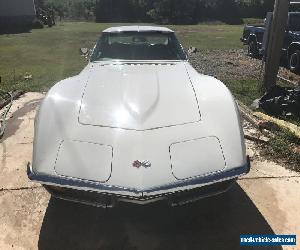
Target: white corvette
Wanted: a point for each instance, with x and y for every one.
(138, 124)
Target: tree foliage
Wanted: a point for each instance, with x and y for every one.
(255, 8)
(174, 11)
(229, 12)
(161, 11)
(179, 11)
(71, 8)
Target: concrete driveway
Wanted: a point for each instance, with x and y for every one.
(266, 201)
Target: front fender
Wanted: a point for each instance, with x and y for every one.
(219, 110)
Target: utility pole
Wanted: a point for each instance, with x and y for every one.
(276, 37)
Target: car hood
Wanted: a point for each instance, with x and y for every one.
(138, 96)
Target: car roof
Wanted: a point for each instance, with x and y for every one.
(137, 28)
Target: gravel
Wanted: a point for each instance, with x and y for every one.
(233, 64)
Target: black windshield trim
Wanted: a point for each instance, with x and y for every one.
(105, 52)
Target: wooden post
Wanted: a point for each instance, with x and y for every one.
(275, 43)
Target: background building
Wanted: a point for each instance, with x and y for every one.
(16, 14)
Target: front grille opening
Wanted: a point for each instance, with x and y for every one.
(108, 200)
(193, 195)
(85, 197)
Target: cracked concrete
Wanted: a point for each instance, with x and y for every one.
(16, 144)
(265, 201)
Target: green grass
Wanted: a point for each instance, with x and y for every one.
(49, 54)
(252, 21)
(244, 90)
(284, 146)
(52, 54)
(209, 36)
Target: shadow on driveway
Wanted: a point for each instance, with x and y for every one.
(212, 223)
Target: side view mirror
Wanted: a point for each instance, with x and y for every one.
(84, 51)
(192, 50)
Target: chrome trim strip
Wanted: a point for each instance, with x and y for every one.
(96, 186)
(209, 179)
(94, 204)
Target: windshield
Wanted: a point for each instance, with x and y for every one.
(294, 22)
(138, 46)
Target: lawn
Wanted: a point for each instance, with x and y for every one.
(52, 54)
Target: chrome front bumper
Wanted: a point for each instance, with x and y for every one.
(177, 193)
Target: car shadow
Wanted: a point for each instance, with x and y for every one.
(212, 223)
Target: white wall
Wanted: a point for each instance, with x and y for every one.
(11, 8)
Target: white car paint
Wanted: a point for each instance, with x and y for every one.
(136, 28)
(91, 128)
(70, 154)
(138, 96)
(205, 152)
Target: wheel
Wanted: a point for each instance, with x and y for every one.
(294, 61)
(252, 49)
